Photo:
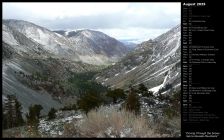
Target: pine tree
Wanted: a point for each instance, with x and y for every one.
(38, 109)
(132, 102)
(51, 114)
(5, 122)
(19, 117)
(143, 90)
(33, 115)
(33, 120)
(8, 111)
(89, 101)
(12, 115)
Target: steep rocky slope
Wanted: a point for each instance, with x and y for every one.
(155, 63)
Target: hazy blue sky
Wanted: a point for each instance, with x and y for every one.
(140, 21)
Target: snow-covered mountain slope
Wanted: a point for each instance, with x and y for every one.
(155, 63)
(37, 33)
(17, 42)
(25, 36)
(95, 46)
(99, 42)
(87, 46)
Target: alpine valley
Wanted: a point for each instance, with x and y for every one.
(64, 70)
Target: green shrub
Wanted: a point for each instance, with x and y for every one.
(116, 94)
(51, 114)
(143, 90)
(34, 115)
(132, 102)
(89, 101)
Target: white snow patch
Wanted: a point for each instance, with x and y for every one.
(106, 79)
(60, 133)
(117, 74)
(164, 92)
(97, 77)
(58, 35)
(66, 33)
(131, 69)
(165, 79)
(177, 85)
(165, 60)
(176, 74)
(156, 89)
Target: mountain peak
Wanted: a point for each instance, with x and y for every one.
(84, 45)
(21, 24)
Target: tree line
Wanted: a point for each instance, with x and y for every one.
(12, 114)
(131, 98)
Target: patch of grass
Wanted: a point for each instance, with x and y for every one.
(109, 122)
(169, 127)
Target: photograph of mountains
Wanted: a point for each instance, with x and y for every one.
(104, 70)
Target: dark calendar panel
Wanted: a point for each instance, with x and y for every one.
(201, 72)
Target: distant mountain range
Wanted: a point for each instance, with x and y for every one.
(88, 46)
(129, 43)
